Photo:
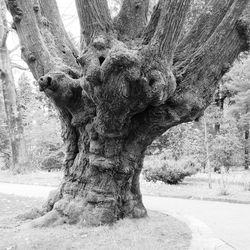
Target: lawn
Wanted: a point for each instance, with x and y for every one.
(158, 231)
(227, 188)
(232, 187)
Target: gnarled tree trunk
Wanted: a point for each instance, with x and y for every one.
(128, 85)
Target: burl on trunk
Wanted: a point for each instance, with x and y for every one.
(131, 82)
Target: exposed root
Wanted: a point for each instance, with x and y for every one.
(54, 196)
(31, 215)
(52, 218)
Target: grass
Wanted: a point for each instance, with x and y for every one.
(157, 231)
(229, 188)
(232, 187)
(42, 178)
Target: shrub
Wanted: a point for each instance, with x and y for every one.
(169, 172)
(54, 161)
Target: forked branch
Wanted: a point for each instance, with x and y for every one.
(95, 19)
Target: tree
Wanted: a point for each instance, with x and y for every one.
(14, 121)
(4, 139)
(238, 85)
(124, 89)
(41, 126)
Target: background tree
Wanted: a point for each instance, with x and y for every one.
(125, 88)
(17, 143)
(238, 85)
(5, 154)
(41, 126)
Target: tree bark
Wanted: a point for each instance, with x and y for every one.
(123, 90)
(246, 149)
(19, 161)
(132, 19)
(102, 185)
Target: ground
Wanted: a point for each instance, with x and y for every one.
(227, 221)
(155, 232)
(232, 187)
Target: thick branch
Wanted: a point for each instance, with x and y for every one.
(151, 27)
(34, 50)
(214, 58)
(131, 19)
(3, 25)
(45, 45)
(49, 10)
(199, 77)
(94, 19)
(204, 28)
(170, 22)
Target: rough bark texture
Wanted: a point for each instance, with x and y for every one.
(132, 19)
(18, 149)
(246, 149)
(118, 95)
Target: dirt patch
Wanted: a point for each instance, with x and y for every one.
(158, 231)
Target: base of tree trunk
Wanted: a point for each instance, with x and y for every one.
(92, 210)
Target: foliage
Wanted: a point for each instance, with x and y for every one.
(226, 148)
(170, 172)
(239, 87)
(53, 160)
(41, 125)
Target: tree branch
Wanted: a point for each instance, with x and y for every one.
(34, 50)
(215, 57)
(45, 45)
(151, 27)
(14, 49)
(131, 19)
(94, 19)
(50, 11)
(3, 25)
(17, 66)
(204, 28)
(199, 76)
(170, 16)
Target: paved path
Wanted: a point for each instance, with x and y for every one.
(230, 222)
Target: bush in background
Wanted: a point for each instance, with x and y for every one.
(169, 172)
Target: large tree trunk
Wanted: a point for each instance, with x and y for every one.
(102, 185)
(18, 148)
(128, 85)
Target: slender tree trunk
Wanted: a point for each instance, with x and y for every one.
(18, 148)
(208, 164)
(246, 149)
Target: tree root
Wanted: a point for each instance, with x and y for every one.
(76, 210)
(52, 218)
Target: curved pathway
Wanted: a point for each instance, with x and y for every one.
(230, 222)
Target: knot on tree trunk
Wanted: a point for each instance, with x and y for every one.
(122, 81)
